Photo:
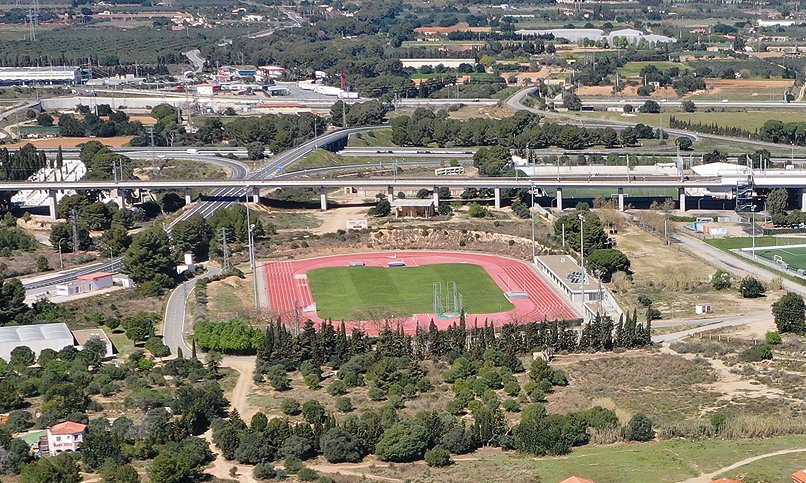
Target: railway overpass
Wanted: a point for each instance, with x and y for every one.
(230, 187)
(268, 179)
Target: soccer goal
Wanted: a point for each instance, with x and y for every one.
(778, 259)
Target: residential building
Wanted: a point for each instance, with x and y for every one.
(86, 335)
(66, 437)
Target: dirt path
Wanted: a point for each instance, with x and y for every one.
(349, 470)
(239, 399)
(706, 478)
(240, 394)
(220, 468)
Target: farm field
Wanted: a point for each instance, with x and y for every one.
(633, 69)
(750, 120)
(342, 292)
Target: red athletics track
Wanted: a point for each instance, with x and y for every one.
(289, 292)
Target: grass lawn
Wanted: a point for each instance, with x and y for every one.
(612, 193)
(123, 344)
(363, 293)
(794, 257)
(734, 243)
(372, 139)
(323, 159)
(230, 298)
(665, 461)
(776, 469)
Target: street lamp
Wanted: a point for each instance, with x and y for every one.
(532, 213)
(582, 255)
(61, 260)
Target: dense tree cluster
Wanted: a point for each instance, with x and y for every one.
(102, 123)
(12, 238)
(521, 131)
(277, 132)
(331, 345)
(17, 166)
(370, 113)
(230, 337)
(482, 361)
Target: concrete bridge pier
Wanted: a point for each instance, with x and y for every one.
(52, 204)
(621, 199)
(323, 199)
(188, 196)
(436, 197)
(560, 199)
(682, 192)
(497, 192)
(256, 195)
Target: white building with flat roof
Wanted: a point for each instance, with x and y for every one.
(36, 337)
(40, 75)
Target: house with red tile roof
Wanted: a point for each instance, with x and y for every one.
(65, 437)
(576, 479)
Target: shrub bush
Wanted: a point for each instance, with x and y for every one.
(307, 474)
(639, 428)
(757, 353)
(438, 457)
(343, 405)
(773, 338)
(291, 407)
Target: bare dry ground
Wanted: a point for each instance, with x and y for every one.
(66, 142)
(675, 287)
(491, 112)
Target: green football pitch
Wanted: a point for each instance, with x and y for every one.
(795, 257)
(372, 293)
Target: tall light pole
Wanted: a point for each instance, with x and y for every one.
(753, 231)
(61, 260)
(582, 255)
(532, 213)
(251, 248)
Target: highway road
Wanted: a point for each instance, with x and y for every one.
(238, 170)
(238, 187)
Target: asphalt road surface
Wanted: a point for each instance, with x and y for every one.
(173, 329)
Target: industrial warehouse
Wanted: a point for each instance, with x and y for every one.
(39, 75)
(39, 337)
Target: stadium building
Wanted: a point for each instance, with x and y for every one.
(39, 75)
